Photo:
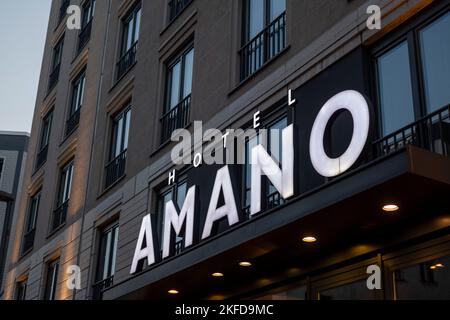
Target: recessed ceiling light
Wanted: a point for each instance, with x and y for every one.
(173, 291)
(390, 208)
(433, 267)
(309, 239)
(245, 264)
(440, 265)
(217, 274)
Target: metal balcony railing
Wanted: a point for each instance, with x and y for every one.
(115, 169)
(100, 287)
(28, 240)
(59, 215)
(176, 6)
(41, 157)
(127, 61)
(176, 118)
(263, 47)
(431, 133)
(54, 76)
(72, 122)
(84, 36)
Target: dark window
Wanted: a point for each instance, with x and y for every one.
(44, 140)
(351, 291)
(86, 23)
(63, 10)
(76, 103)
(56, 64)
(424, 281)
(176, 6)
(64, 190)
(106, 266)
(264, 33)
(130, 36)
(177, 193)
(2, 162)
(21, 290)
(273, 197)
(51, 280)
(396, 98)
(178, 93)
(30, 225)
(115, 169)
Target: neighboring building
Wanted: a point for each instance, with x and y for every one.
(111, 94)
(13, 154)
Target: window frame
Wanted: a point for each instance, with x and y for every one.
(18, 294)
(409, 33)
(112, 229)
(49, 293)
(124, 114)
(180, 57)
(125, 22)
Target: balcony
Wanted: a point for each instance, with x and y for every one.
(176, 6)
(72, 122)
(41, 157)
(264, 47)
(99, 287)
(59, 215)
(54, 76)
(127, 61)
(84, 36)
(28, 241)
(431, 133)
(115, 170)
(176, 118)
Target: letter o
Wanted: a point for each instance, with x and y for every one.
(354, 102)
(198, 160)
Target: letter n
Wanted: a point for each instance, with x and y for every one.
(282, 179)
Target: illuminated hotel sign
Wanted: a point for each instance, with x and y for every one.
(262, 163)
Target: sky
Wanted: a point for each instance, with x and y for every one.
(23, 27)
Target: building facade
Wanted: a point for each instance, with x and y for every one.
(100, 178)
(13, 153)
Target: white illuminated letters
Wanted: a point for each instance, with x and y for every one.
(171, 218)
(354, 102)
(280, 175)
(229, 209)
(282, 179)
(146, 252)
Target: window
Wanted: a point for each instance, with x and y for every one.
(63, 10)
(273, 197)
(44, 140)
(176, 6)
(435, 46)
(412, 77)
(2, 162)
(352, 291)
(115, 169)
(64, 189)
(106, 266)
(130, 36)
(51, 280)
(30, 225)
(21, 290)
(76, 103)
(424, 281)
(86, 24)
(56, 64)
(178, 93)
(177, 193)
(396, 99)
(264, 33)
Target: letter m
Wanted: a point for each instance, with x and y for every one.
(175, 220)
(282, 179)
